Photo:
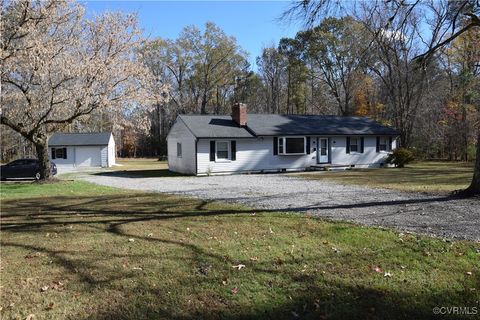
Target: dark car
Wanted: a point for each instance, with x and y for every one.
(24, 168)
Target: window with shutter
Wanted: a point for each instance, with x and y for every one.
(59, 153)
(382, 144)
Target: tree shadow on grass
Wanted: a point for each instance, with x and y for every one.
(280, 290)
(35, 212)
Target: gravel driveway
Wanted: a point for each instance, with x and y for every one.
(416, 212)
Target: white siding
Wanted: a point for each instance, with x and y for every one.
(369, 158)
(69, 162)
(104, 156)
(257, 155)
(252, 155)
(111, 151)
(81, 156)
(181, 134)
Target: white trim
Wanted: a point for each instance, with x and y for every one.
(358, 143)
(386, 139)
(229, 151)
(284, 146)
(319, 150)
(179, 154)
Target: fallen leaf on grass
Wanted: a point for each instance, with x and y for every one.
(57, 285)
(33, 255)
(30, 317)
(239, 266)
(234, 290)
(278, 261)
(50, 306)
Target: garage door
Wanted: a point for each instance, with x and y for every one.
(88, 157)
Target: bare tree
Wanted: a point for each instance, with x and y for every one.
(271, 65)
(445, 20)
(58, 66)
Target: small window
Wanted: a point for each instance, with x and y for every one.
(353, 144)
(59, 153)
(179, 150)
(291, 145)
(222, 150)
(382, 146)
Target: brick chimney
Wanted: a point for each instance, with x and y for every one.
(239, 113)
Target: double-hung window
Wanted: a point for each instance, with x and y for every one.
(223, 150)
(383, 144)
(354, 144)
(292, 145)
(59, 153)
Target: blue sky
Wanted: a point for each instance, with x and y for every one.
(253, 23)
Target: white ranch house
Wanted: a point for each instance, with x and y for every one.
(213, 144)
(82, 149)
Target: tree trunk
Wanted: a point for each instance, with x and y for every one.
(42, 155)
(474, 188)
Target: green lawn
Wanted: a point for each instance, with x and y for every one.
(420, 176)
(104, 253)
(141, 168)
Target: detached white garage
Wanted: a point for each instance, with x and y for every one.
(82, 149)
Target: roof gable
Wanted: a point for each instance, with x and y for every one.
(79, 139)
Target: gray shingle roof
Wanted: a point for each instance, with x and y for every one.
(79, 139)
(214, 126)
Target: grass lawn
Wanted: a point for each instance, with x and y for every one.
(76, 250)
(421, 176)
(141, 168)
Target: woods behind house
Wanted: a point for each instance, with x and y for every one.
(404, 65)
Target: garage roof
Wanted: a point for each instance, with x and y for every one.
(79, 139)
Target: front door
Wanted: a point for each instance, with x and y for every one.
(323, 150)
